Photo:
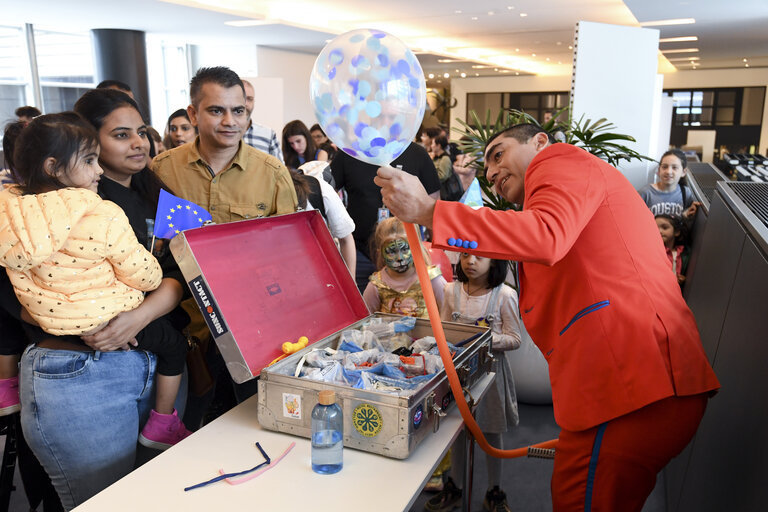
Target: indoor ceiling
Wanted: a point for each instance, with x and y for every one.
(481, 38)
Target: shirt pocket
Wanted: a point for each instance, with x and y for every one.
(247, 211)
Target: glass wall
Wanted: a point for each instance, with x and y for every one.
(540, 105)
(64, 64)
(14, 72)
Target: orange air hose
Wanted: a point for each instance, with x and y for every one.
(453, 379)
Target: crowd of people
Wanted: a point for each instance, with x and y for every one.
(98, 322)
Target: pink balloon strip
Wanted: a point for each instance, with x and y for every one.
(274, 462)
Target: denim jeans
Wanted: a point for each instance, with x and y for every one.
(81, 414)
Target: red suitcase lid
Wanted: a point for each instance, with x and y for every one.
(276, 279)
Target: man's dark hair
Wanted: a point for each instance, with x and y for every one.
(497, 273)
(220, 75)
(432, 132)
(522, 133)
(109, 84)
(27, 111)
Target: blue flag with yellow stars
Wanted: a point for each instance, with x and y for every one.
(175, 214)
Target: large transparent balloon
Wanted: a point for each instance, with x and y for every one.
(369, 94)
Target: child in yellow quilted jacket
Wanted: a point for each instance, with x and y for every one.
(74, 260)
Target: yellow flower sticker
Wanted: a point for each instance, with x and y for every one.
(367, 420)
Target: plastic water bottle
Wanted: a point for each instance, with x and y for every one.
(327, 435)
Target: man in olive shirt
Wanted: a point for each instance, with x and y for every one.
(227, 177)
(230, 179)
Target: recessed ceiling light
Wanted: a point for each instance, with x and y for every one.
(517, 49)
(533, 55)
(517, 74)
(559, 43)
(446, 75)
(474, 18)
(510, 7)
(744, 60)
(431, 75)
(463, 75)
(457, 12)
(681, 50)
(247, 23)
(439, 81)
(547, 59)
(523, 15)
(661, 23)
(457, 70)
(491, 13)
(570, 47)
(678, 39)
(477, 74)
(495, 69)
(746, 65)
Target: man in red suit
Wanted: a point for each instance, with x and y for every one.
(630, 380)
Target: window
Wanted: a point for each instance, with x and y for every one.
(707, 107)
(66, 68)
(734, 113)
(540, 105)
(14, 71)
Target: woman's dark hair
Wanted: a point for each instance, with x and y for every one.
(290, 156)
(302, 188)
(182, 112)
(110, 84)
(441, 141)
(317, 127)
(95, 105)
(678, 224)
(496, 274)
(63, 137)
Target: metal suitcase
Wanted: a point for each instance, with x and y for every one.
(262, 282)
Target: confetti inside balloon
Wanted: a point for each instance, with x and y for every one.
(369, 94)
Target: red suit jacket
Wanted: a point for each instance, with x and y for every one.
(596, 292)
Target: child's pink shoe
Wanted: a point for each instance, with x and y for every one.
(9, 396)
(163, 431)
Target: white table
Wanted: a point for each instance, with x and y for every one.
(367, 481)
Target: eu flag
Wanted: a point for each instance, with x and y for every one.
(175, 214)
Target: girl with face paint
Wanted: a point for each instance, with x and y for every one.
(395, 287)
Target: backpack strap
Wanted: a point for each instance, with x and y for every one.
(456, 300)
(493, 301)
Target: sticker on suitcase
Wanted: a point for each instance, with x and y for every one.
(210, 310)
(367, 420)
(292, 406)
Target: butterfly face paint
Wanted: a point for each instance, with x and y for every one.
(397, 255)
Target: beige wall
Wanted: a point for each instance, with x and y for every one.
(294, 69)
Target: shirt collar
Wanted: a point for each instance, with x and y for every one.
(193, 155)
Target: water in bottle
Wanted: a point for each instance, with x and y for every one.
(327, 435)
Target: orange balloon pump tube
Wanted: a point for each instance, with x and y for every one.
(453, 379)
